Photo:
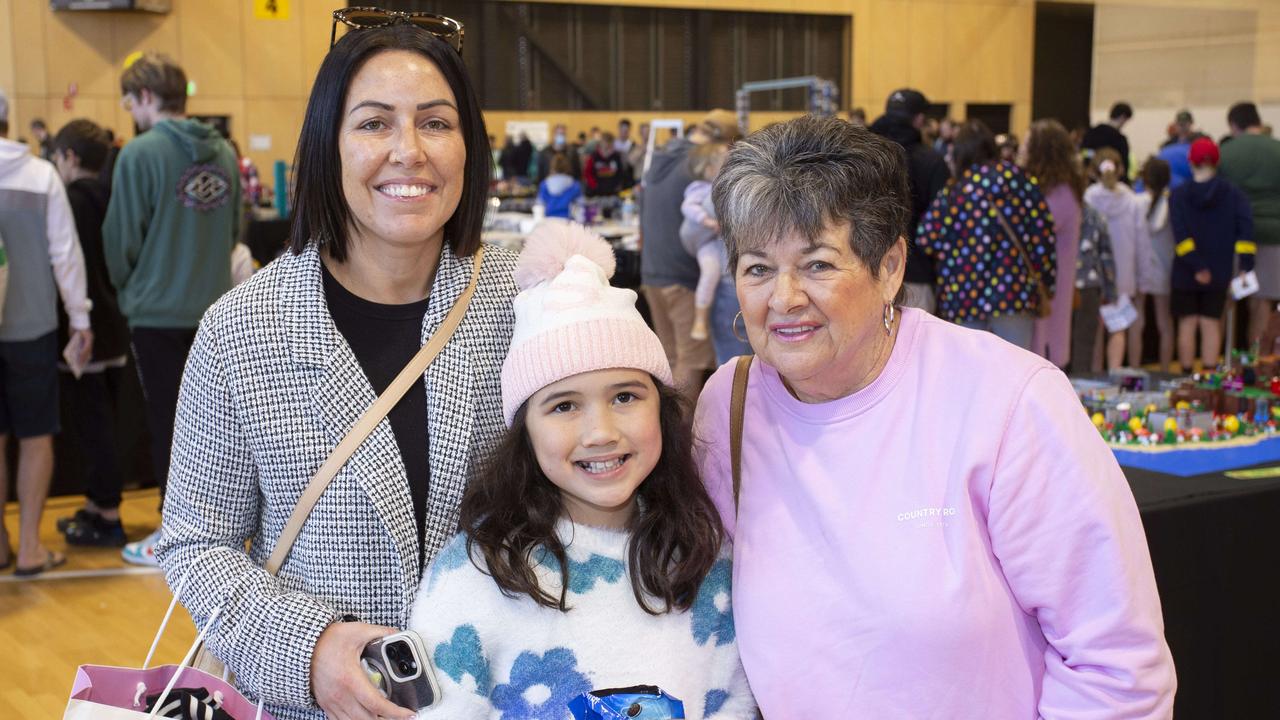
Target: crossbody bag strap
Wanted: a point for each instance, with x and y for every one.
(374, 415)
(737, 411)
(1022, 250)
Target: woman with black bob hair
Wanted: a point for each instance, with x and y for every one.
(392, 172)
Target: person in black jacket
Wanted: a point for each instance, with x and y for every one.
(1213, 228)
(927, 172)
(1108, 134)
(79, 152)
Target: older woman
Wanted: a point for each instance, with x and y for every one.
(392, 177)
(928, 525)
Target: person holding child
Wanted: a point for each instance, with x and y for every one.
(999, 572)
(392, 183)
(591, 556)
(714, 300)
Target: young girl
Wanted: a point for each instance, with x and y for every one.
(558, 191)
(1155, 261)
(1119, 206)
(591, 556)
(700, 235)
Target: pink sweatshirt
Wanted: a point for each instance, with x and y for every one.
(952, 541)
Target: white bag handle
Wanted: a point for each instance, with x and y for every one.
(174, 603)
(186, 661)
(191, 652)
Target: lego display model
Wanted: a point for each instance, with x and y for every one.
(1231, 407)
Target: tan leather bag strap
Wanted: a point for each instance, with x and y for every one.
(737, 411)
(1022, 250)
(357, 435)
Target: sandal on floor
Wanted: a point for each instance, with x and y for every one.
(51, 561)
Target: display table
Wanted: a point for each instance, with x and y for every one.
(1215, 547)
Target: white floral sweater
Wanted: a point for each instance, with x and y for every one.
(503, 657)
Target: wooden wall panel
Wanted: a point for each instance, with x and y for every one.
(135, 32)
(931, 41)
(260, 71)
(273, 57)
(279, 118)
(79, 50)
(28, 47)
(212, 49)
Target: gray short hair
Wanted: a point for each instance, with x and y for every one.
(806, 174)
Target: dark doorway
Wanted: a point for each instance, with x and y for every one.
(996, 116)
(1063, 69)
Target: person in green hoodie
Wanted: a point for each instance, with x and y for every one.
(168, 235)
(1251, 161)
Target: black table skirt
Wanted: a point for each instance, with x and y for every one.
(1215, 547)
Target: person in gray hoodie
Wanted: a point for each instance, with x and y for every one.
(170, 228)
(668, 273)
(38, 237)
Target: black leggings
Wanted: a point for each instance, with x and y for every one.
(161, 354)
(92, 401)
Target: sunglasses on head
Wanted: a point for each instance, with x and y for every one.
(363, 18)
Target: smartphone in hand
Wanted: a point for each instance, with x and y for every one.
(400, 667)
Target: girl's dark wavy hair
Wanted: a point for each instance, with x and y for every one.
(321, 214)
(510, 512)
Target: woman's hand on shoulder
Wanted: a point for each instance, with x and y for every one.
(341, 687)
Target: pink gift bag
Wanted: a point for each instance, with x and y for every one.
(102, 692)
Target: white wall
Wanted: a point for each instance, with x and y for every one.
(1201, 56)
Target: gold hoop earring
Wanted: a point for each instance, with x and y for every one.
(734, 328)
(888, 318)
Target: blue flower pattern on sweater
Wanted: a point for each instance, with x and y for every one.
(463, 655)
(708, 619)
(556, 671)
(452, 557)
(715, 700)
(583, 576)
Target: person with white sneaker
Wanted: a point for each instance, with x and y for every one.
(171, 224)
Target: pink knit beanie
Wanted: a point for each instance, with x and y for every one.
(569, 320)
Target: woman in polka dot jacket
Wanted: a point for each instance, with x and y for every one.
(983, 282)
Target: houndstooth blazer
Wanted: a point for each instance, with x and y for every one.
(270, 389)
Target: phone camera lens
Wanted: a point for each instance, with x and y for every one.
(405, 668)
(393, 650)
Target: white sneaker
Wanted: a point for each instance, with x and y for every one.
(142, 552)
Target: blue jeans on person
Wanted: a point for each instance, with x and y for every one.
(1015, 329)
(724, 311)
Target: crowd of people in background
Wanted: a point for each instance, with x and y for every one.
(1092, 226)
(143, 239)
(477, 420)
(1039, 240)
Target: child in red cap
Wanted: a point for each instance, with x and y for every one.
(1213, 226)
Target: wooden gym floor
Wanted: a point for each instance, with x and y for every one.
(95, 609)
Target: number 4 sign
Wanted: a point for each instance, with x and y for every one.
(271, 9)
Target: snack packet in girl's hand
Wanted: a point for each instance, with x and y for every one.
(642, 702)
